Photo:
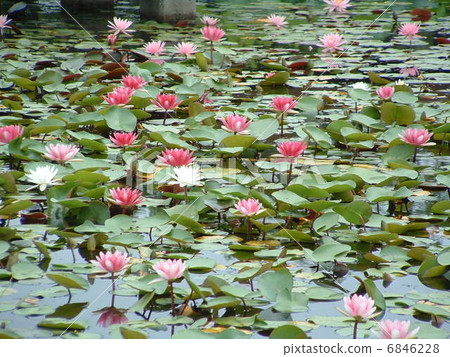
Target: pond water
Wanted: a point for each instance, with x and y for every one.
(357, 201)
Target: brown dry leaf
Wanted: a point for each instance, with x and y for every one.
(421, 193)
(265, 243)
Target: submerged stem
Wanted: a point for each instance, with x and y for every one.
(172, 298)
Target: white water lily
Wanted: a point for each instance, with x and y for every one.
(400, 83)
(42, 176)
(361, 85)
(186, 176)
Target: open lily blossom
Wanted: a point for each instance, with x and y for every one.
(209, 21)
(4, 21)
(292, 148)
(61, 152)
(119, 96)
(361, 85)
(385, 93)
(416, 137)
(249, 207)
(410, 30)
(9, 133)
(125, 196)
(123, 139)
(186, 176)
(133, 82)
(278, 21)
(176, 157)
(283, 104)
(337, 5)
(166, 101)
(236, 123)
(42, 176)
(410, 71)
(170, 269)
(359, 306)
(211, 33)
(186, 48)
(395, 330)
(332, 42)
(111, 262)
(118, 26)
(155, 48)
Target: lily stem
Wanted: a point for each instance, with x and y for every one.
(355, 330)
(172, 298)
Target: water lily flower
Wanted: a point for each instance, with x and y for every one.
(332, 42)
(4, 21)
(209, 21)
(400, 82)
(385, 93)
(416, 137)
(283, 104)
(410, 71)
(170, 269)
(176, 157)
(409, 30)
(186, 48)
(155, 47)
(292, 148)
(42, 176)
(9, 133)
(119, 96)
(359, 306)
(61, 152)
(278, 21)
(186, 176)
(123, 139)
(337, 5)
(249, 207)
(395, 330)
(236, 124)
(119, 26)
(270, 74)
(126, 196)
(166, 102)
(111, 316)
(361, 85)
(111, 262)
(211, 33)
(133, 82)
(111, 38)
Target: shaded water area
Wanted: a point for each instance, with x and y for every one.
(238, 285)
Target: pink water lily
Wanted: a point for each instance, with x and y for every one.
(283, 104)
(209, 21)
(133, 82)
(61, 152)
(118, 26)
(123, 139)
(416, 137)
(111, 262)
(292, 148)
(332, 42)
(155, 47)
(395, 330)
(166, 101)
(410, 71)
(337, 5)
(126, 196)
(212, 33)
(111, 38)
(170, 269)
(410, 30)
(186, 48)
(385, 93)
(359, 306)
(249, 207)
(236, 124)
(119, 96)
(278, 21)
(4, 21)
(176, 157)
(9, 133)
